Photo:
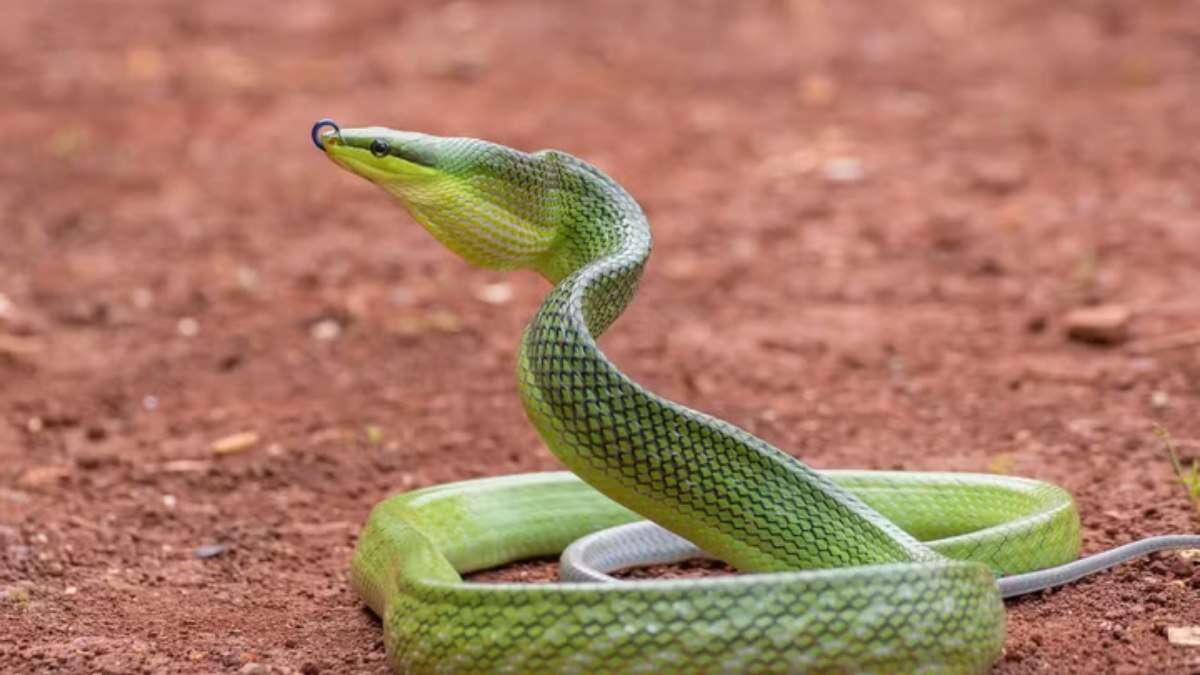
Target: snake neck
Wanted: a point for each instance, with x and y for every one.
(728, 491)
(598, 225)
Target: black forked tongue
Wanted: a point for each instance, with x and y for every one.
(316, 131)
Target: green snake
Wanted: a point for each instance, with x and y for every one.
(842, 571)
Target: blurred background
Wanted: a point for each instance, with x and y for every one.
(915, 235)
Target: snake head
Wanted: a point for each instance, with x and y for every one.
(485, 202)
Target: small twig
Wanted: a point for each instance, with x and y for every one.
(1190, 480)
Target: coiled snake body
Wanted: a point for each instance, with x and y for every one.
(845, 571)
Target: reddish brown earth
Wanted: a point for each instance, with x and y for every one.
(870, 220)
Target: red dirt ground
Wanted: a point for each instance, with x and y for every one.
(870, 220)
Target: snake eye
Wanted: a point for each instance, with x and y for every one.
(380, 147)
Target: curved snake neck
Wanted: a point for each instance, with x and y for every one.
(678, 467)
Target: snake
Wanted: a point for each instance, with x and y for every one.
(838, 571)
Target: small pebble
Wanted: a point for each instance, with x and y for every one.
(495, 294)
(188, 327)
(205, 551)
(1181, 567)
(1160, 399)
(1103, 324)
(844, 170)
(325, 330)
(1188, 636)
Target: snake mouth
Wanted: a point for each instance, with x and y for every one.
(352, 159)
(320, 140)
(327, 136)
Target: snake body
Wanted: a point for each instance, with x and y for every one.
(838, 577)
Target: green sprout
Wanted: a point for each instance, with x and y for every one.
(1190, 480)
(374, 434)
(17, 596)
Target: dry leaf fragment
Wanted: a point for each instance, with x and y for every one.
(235, 443)
(495, 294)
(41, 476)
(185, 466)
(1188, 636)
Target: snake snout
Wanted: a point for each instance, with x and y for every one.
(318, 138)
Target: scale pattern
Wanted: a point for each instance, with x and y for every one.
(883, 619)
(724, 489)
(872, 598)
